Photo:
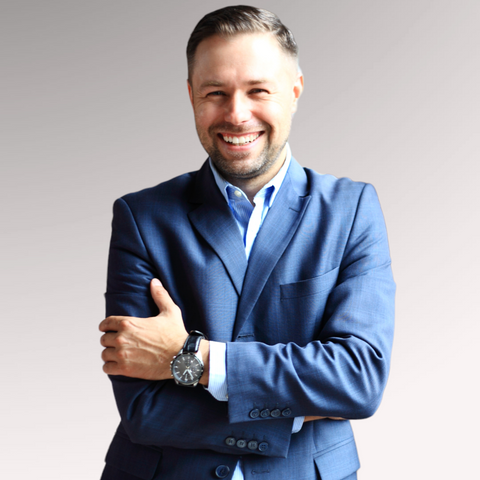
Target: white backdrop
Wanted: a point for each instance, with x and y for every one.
(94, 105)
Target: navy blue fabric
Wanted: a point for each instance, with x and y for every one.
(308, 325)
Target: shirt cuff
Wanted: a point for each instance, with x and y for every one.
(297, 424)
(217, 380)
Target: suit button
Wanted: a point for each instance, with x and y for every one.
(265, 413)
(275, 413)
(287, 412)
(241, 443)
(222, 471)
(230, 441)
(254, 413)
(263, 446)
(252, 444)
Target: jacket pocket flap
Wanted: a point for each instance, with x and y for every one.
(311, 286)
(133, 458)
(339, 461)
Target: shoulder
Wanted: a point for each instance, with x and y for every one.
(329, 188)
(173, 189)
(329, 184)
(169, 196)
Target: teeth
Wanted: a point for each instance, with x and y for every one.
(241, 140)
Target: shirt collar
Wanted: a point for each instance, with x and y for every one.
(275, 182)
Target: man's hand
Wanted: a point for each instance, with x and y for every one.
(311, 419)
(144, 347)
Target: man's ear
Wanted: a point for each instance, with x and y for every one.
(190, 92)
(297, 90)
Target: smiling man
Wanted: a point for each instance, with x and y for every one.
(249, 304)
(244, 90)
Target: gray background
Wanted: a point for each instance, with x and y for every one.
(94, 105)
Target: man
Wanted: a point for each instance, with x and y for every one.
(281, 275)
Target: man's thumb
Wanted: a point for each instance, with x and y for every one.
(159, 294)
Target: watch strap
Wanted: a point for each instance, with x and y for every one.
(192, 343)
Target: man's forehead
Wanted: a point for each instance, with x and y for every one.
(255, 55)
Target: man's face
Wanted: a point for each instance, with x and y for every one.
(244, 90)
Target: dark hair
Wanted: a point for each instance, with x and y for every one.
(229, 21)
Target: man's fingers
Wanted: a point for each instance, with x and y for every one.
(110, 368)
(110, 339)
(109, 355)
(311, 418)
(114, 324)
(108, 325)
(117, 361)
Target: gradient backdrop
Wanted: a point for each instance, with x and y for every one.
(93, 105)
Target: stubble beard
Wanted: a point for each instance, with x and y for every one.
(237, 169)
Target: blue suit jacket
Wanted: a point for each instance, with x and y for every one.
(308, 321)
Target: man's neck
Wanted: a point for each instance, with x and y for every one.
(251, 186)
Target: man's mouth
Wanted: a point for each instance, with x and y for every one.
(240, 140)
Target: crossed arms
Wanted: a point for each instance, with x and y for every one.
(342, 373)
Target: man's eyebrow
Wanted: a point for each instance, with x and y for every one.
(211, 83)
(215, 83)
(256, 82)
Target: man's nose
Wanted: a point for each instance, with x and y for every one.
(238, 110)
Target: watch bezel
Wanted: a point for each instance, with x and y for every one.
(198, 375)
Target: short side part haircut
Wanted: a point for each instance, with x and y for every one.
(233, 20)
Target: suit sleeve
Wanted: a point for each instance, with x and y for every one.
(343, 372)
(161, 413)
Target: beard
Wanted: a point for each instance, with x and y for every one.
(235, 167)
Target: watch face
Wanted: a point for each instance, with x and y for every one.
(187, 369)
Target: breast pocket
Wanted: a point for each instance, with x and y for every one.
(312, 286)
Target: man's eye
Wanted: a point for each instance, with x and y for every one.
(215, 94)
(258, 90)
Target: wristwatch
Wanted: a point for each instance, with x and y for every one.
(187, 366)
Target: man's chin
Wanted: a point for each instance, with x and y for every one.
(240, 168)
(244, 165)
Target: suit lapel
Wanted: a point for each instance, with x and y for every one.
(214, 222)
(277, 230)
